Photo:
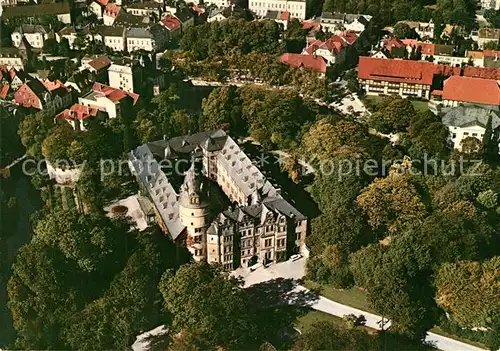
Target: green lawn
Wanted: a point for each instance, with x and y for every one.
(420, 106)
(303, 323)
(354, 297)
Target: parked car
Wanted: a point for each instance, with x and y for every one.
(295, 257)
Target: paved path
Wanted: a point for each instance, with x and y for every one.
(296, 270)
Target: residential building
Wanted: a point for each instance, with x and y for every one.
(296, 8)
(96, 65)
(108, 99)
(11, 57)
(487, 35)
(110, 14)
(144, 9)
(476, 57)
(282, 17)
(335, 22)
(13, 77)
(153, 38)
(423, 29)
(80, 81)
(97, 7)
(121, 77)
(308, 62)
(48, 96)
(467, 90)
(220, 14)
(69, 33)
(28, 12)
(490, 4)
(261, 227)
(172, 25)
(186, 16)
(79, 116)
(129, 20)
(481, 72)
(469, 121)
(218, 3)
(6, 3)
(401, 77)
(35, 35)
(113, 37)
(332, 48)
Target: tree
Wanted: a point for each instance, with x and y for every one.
(63, 48)
(32, 130)
(401, 288)
(390, 202)
(201, 298)
(223, 107)
(57, 144)
(469, 291)
(395, 117)
(471, 145)
(329, 336)
(402, 31)
(331, 267)
(327, 139)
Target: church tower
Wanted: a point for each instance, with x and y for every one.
(194, 212)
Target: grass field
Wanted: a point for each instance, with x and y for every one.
(420, 105)
(354, 297)
(304, 323)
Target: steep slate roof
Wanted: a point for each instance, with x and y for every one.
(415, 72)
(315, 63)
(474, 90)
(464, 116)
(111, 31)
(31, 28)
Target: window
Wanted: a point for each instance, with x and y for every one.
(268, 242)
(197, 230)
(466, 133)
(474, 134)
(298, 236)
(454, 136)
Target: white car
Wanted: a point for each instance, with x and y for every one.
(295, 257)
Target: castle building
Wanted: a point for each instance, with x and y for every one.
(260, 226)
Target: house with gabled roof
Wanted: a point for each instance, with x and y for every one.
(48, 96)
(110, 13)
(469, 121)
(108, 99)
(97, 7)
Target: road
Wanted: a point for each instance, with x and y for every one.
(296, 270)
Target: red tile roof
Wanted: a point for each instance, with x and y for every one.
(170, 22)
(102, 2)
(479, 72)
(78, 111)
(197, 10)
(437, 93)
(100, 62)
(334, 44)
(112, 9)
(51, 86)
(475, 90)
(404, 71)
(491, 53)
(309, 25)
(447, 71)
(311, 62)
(285, 16)
(113, 94)
(4, 91)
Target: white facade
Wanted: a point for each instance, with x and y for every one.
(121, 77)
(36, 40)
(63, 176)
(64, 18)
(217, 18)
(458, 134)
(143, 11)
(297, 9)
(5, 3)
(218, 3)
(101, 103)
(355, 26)
(115, 43)
(96, 9)
(11, 61)
(490, 4)
(134, 44)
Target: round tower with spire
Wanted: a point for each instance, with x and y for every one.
(194, 212)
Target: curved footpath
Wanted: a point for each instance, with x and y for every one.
(296, 270)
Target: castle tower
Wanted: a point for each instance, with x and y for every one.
(194, 213)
